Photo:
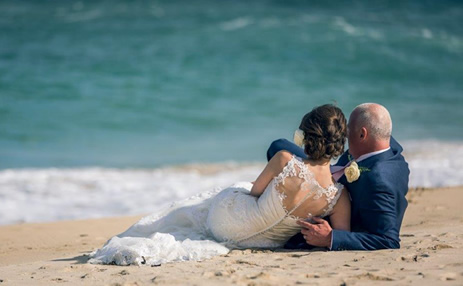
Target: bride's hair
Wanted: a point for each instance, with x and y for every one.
(325, 130)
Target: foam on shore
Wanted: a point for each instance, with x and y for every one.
(38, 195)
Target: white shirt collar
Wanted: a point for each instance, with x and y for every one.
(371, 154)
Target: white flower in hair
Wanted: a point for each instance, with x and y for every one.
(299, 138)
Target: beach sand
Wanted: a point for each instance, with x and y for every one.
(431, 254)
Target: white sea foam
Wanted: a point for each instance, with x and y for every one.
(38, 195)
(83, 16)
(236, 24)
(345, 26)
(434, 163)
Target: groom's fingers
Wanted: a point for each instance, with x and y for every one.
(305, 224)
(318, 220)
(305, 231)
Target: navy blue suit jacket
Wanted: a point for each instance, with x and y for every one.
(377, 199)
(378, 202)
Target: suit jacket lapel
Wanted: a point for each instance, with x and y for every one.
(367, 163)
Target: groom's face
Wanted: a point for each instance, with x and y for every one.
(353, 136)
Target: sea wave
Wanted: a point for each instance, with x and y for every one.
(434, 163)
(39, 195)
(49, 194)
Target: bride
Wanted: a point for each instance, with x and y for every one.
(262, 214)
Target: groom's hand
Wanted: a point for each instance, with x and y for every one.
(316, 234)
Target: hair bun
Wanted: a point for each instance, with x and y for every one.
(325, 129)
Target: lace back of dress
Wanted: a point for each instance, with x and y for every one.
(297, 175)
(296, 172)
(293, 169)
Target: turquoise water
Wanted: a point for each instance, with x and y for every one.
(146, 84)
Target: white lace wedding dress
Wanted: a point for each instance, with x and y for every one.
(212, 223)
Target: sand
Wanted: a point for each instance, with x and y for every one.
(431, 254)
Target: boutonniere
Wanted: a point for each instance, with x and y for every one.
(353, 171)
(299, 138)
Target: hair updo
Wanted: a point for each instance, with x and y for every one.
(325, 130)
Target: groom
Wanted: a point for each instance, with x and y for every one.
(377, 196)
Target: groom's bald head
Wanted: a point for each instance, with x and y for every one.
(375, 118)
(369, 129)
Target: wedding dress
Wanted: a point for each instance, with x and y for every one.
(212, 223)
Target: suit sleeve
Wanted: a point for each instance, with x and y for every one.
(283, 144)
(379, 223)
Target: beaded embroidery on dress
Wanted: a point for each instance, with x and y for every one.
(212, 223)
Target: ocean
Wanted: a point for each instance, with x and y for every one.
(120, 107)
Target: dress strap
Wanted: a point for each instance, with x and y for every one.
(333, 199)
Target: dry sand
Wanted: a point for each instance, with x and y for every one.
(431, 254)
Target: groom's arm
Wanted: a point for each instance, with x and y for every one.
(343, 240)
(379, 221)
(283, 144)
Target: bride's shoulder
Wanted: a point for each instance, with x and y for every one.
(284, 164)
(281, 158)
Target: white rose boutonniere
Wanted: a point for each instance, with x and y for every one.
(299, 137)
(353, 172)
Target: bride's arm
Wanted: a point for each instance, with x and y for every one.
(340, 217)
(273, 168)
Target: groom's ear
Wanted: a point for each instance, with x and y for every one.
(363, 133)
